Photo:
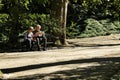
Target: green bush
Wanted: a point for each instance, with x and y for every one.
(3, 18)
(3, 30)
(117, 24)
(92, 28)
(109, 26)
(72, 31)
(100, 27)
(50, 26)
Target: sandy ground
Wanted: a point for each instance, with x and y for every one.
(85, 53)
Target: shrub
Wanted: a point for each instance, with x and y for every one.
(117, 24)
(3, 30)
(92, 28)
(72, 30)
(110, 28)
(50, 26)
(100, 27)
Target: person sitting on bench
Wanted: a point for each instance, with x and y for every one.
(29, 37)
(40, 37)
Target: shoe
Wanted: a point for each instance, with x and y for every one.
(39, 49)
(30, 49)
(44, 49)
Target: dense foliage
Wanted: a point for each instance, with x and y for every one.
(85, 18)
(92, 16)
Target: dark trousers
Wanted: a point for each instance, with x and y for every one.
(29, 43)
(42, 40)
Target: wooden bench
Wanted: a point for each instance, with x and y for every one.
(23, 45)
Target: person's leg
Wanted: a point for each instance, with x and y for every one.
(44, 40)
(38, 43)
(28, 44)
(25, 44)
(31, 44)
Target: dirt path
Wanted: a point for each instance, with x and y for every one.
(92, 60)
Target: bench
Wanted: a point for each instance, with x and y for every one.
(24, 47)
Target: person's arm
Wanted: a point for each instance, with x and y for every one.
(43, 33)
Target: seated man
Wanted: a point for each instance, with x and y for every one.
(40, 37)
(29, 37)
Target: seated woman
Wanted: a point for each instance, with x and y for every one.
(29, 37)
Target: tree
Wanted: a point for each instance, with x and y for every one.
(64, 21)
(1, 4)
(15, 9)
(59, 12)
(39, 6)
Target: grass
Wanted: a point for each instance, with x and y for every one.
(1, 72)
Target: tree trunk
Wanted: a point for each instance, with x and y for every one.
(59, 12)
(64, 21)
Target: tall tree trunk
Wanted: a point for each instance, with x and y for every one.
(59, 12)
(64, 21)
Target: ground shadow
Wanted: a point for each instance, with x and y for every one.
(107, 70)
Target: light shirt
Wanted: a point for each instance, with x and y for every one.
(29, 36)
